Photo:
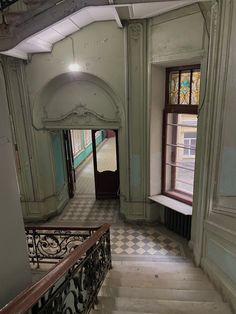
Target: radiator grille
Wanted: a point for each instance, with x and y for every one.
(179, 223)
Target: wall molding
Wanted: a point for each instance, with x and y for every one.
(220, 281)
(211, 119)
(227, 234)
(81, 116)
(186, 57)
(137, 111)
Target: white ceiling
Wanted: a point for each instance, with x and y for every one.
(44, 40)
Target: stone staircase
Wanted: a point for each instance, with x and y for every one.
(175, 287)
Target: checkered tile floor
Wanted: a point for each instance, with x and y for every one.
(143, 240)
(127, 240)
(90, 211)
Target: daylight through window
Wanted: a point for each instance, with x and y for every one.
(180, 132)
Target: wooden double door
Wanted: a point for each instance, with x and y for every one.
(107, 181)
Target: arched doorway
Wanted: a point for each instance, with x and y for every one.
(82, 101)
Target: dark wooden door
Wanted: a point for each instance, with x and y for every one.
(107, 182)
(69, 163)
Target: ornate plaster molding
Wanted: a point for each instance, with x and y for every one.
(81, 111)
(135, 30)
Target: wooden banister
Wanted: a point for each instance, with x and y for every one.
(28, 297)
(51, 227)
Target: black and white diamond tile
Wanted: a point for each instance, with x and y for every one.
(81, 210)
(143, 240)
(126, 240)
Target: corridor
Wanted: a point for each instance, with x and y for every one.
(130, 241)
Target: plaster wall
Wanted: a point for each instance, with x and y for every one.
(117, 58)
(221, 221)
(15, 272)
(213, 232)
(54, 92)
(121, 61)
(98, 49)
(177, 37)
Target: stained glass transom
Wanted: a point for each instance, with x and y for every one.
(174, 88)
(184, 87)
(195, 95)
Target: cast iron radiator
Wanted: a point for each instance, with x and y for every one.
(179, 223)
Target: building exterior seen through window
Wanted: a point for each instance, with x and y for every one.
(180, 132)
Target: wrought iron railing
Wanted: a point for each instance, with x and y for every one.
(6, 3)
(73, 284)
(51, 244)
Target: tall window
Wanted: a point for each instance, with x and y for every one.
(180, 132)
(76, 138)
(87, 137)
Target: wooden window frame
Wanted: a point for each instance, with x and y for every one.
(178, 109)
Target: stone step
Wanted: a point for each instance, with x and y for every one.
(161, 294)
(149, 267)
(133, 280)
(109, 305)
(158, 275)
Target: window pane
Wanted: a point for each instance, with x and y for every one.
(106, 153)
(184, 178)
(87, 137)
(195, 96)
(189, 135)
(76, 141)
(185, 88)
(174, 88)
(180, 152)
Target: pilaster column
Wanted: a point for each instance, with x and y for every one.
(136, 36)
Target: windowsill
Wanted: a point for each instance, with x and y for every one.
(180, 196)
(173, 204)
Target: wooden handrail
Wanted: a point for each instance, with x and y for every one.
(28, 297)
(33, 227)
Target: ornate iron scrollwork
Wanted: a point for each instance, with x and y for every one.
(50, 246)
(77, 290)
(6, 3)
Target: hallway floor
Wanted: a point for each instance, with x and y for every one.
(129, 241)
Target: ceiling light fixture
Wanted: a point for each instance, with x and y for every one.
(73, 67)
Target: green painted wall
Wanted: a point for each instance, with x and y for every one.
(59, 161)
